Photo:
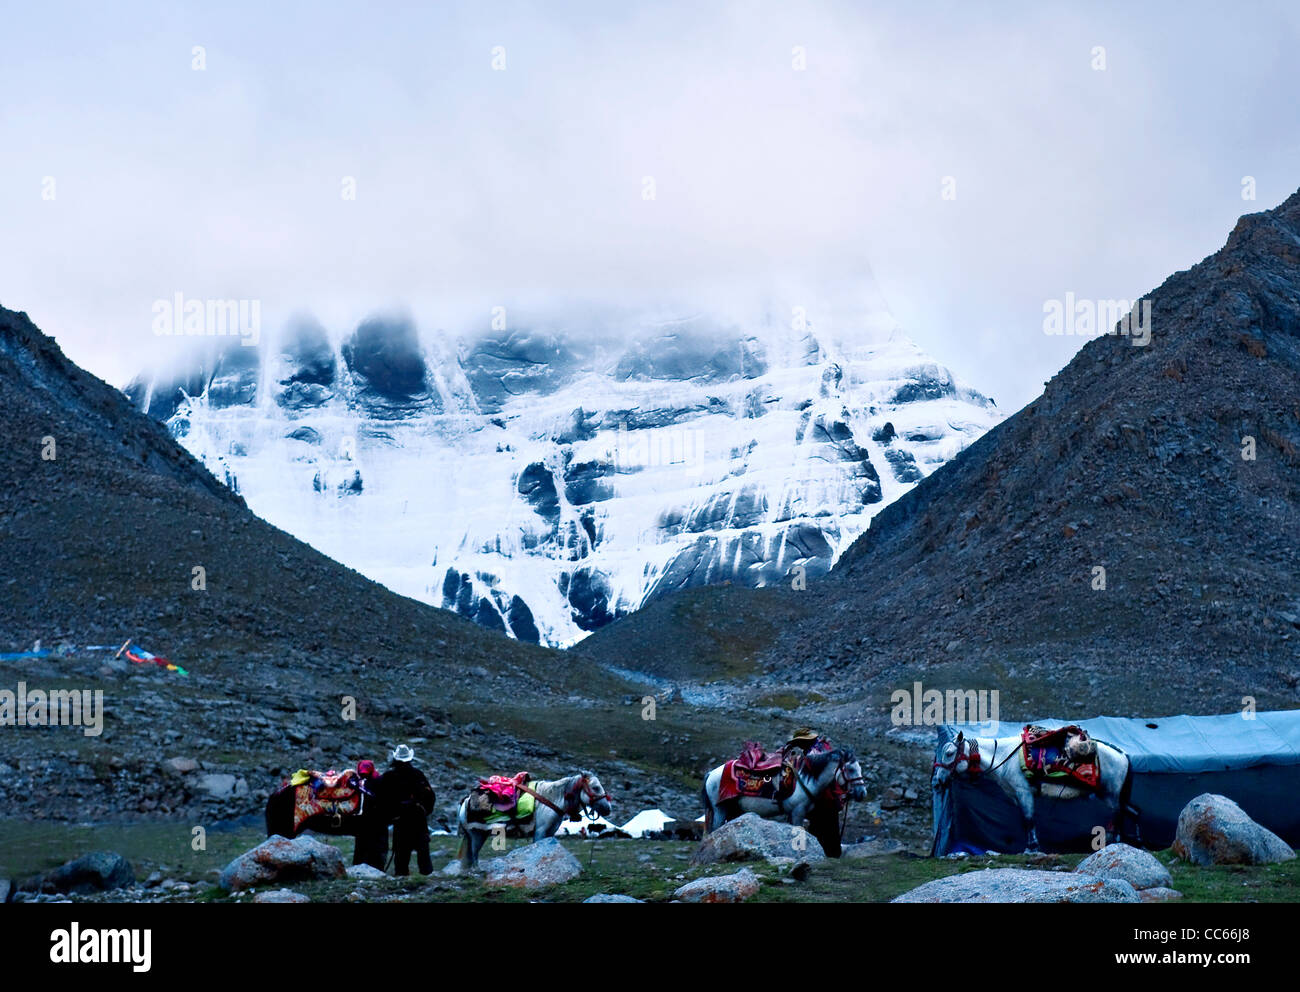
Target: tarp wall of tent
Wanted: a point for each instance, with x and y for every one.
(1255, 762)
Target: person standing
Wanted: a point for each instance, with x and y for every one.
(405, 792)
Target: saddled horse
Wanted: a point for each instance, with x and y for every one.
(999, 758)
(822, 780)
(339, 804)
(554, 801)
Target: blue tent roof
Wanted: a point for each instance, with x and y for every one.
(1185, 743)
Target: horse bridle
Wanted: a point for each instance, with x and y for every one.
(589, 799)
(971, 756)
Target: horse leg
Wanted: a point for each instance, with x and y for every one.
(1020, 790)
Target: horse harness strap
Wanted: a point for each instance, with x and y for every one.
(541, 799)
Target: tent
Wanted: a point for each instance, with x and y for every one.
(647, 821)
(599, 827)
(1255, 762)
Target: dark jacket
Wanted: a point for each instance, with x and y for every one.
(402, 784)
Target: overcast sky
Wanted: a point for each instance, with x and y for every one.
(476, 184)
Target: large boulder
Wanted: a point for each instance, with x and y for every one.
(93, 872)
(280, 859)
(1137, 867)
(533, 866)
(751, 838)
(1214, 830)
(720, 888)
(1021, 885)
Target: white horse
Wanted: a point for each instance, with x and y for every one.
(556, 801)
(812, 799)
(999, 758)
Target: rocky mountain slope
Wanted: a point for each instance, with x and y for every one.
(545, 479)
(1136, 460)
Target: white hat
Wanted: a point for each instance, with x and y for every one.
(403, 753)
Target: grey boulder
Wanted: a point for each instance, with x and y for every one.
(752, 838)
(1137, 867)
(533, 866)
(1021, 885)
(1214, 830)
(720, 888)
(280, 859)
(97, 871)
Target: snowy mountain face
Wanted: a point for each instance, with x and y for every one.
(544, 481)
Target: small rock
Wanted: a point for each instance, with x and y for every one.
(1214, 830)
(222, 786)
(453, 868)
(368, 872)
(1159, 894)
(606, 897)
(280, 895)
(181, 766)
(1137, 867)
(874, 848)
(6, 890)
(720, 888)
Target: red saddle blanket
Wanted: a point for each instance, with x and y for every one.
(757, 774)
(336, 794)
(1066, 753)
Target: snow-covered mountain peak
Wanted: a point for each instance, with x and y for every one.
(546, 477)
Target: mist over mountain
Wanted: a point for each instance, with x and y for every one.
(560, 467)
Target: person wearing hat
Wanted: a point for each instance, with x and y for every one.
(406, 794)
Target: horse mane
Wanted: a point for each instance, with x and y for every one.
(818, 760)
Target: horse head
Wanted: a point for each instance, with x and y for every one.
(949, 759)
(850, 776)
(592, 795)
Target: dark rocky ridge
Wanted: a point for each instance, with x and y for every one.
(1131, 460)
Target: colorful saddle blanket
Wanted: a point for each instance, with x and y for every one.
(1060, 755)
(759, 774)
(500, 797)
(331, 793)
